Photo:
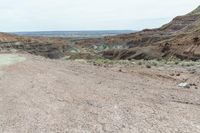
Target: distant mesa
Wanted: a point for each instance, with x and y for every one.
(76, 34)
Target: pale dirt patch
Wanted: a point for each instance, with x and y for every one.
(1, 73)
(10, 59)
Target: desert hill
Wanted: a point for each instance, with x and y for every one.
(177, 39)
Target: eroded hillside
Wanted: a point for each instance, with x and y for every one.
(178, 39)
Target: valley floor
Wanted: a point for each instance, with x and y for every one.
(39, 95)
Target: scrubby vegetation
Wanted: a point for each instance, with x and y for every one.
(146, 63)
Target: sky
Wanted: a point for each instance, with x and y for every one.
(69, 15)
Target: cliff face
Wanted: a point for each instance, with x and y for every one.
(4, 37)
(180, 38)
(47, 47)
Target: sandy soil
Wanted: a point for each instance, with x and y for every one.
(54, 96)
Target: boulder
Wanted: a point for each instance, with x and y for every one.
(184, 85)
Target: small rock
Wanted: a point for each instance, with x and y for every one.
(120, 70)
(99, 82)
(196, 87)
(192, 72)
(148, 66)
(184, 85)
(178, 74)
(193, 84)
(172, 74)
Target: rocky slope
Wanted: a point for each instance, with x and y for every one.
(179, 38)
(47, 47)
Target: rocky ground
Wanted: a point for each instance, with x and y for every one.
(39, 95)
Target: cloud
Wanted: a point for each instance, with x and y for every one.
(34, 15)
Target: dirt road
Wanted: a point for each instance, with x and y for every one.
(38, 95)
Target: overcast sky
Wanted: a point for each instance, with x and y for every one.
(45, 15)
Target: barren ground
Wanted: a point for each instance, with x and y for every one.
(39, 95)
